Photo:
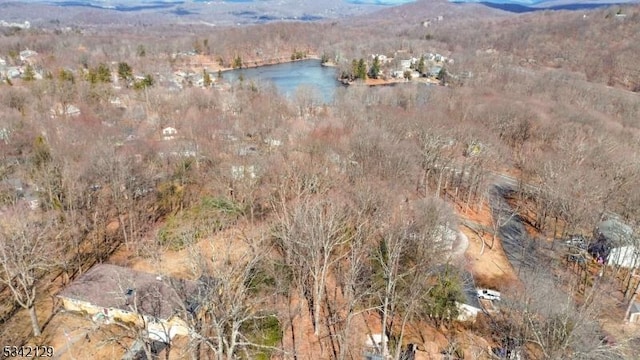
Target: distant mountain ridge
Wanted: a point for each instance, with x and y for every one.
(550, 3)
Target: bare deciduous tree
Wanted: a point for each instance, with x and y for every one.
(232, 315)
(27, 251)
(311, 237)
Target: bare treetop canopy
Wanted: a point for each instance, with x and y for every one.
(112, 286)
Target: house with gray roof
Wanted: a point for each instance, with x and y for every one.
(114, 293)
(615, 244)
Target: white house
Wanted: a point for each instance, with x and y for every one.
(13, 72)
(375, 340)
(467, 312)
(471, 306)
(615, 244)
(405, 64)
(169, 133)
(373, 346)
(624, 256)
(240, 172)
(27, 54)
(67, 110)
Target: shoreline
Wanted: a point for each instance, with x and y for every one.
(269, 62)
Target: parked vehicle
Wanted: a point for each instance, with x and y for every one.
(578, 241)
(488, 294)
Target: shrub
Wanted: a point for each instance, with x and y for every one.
(204, 219)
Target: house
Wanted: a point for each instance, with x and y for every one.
(24, 25)
(398, 74)
(240, 172)
(248, 150)
(5, 135)
(273, 143)
(179, 148)
(169, 133)
(373, 346)
(67, 110)
(470, 307)
(13, 72)
(405, 64)
(615, 244)
(27, 54)
(634, 313)
(375, 340)
(434, 71)
(383, 59)
(113, 293)
(117, 102)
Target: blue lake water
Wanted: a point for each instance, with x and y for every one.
(290, 77)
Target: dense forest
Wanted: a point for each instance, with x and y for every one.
(309, 227)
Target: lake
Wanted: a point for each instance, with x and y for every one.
(289, 77)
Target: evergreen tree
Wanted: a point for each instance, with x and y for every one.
(100, 74)
(205, 45)
(124, 71)
(421, 65)
(237, 62)
(354, 69)
(146, 82)
(66, 76)
(206, 78)
(103, 73)
(141, 51)
(324, 59)
(443, 76)
(29, 74)
(444, 297)
(374, 72)
(362, 70)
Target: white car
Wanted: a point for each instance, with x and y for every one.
(488, 294)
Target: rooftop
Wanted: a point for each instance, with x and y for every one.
(615, 231)
(112, 286)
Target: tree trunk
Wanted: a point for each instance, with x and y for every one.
(439, 183)
(293, 330)
(34, 321)
(629, 282)
(633, 299)
(384, 345)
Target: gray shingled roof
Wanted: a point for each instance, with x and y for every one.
(112, 286)
(615, 232)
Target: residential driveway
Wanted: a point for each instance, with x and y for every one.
(519, 247)
(460, 246)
